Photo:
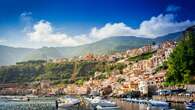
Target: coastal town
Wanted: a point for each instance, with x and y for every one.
(97, 55)
(143, 76)
(131, 76)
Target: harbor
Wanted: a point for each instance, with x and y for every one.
(86, 103)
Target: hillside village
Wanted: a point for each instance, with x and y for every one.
(97, 55)
(139, 75)
(141, 70)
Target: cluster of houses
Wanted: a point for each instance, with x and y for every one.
(139, 75)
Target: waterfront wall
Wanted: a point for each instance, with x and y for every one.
(174, 98)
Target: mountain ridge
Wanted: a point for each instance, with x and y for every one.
(105, 46)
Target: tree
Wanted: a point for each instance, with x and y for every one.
(181, 62)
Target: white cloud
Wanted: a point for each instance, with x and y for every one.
(116, 29)
(172, 8)
(156, 26)
(162, 25)
(2, 40)
(43, 32)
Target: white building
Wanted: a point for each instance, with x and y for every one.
(143, 87)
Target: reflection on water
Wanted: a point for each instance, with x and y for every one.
(135, 106)
(132, 106)
(41, 103)
(178, 106)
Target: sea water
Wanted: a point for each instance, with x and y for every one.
(32, 104)
(48, 103)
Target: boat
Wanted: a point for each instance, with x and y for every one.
(190, 106)
(67, 101)
(135, 100)
(98, 107)
(102, 104)
(106, 103)
(143, 101)
(159, 103)
(93, 101)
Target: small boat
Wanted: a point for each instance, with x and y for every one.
(93, 101)
(159, 103)
(190, 106)
(136, 100)
(143, 101)
(102, 104)
(129, 99)
(98, 107)
(106, 103)
(67, 101)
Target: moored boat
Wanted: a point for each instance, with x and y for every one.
(98, 107)
(102, 104)
(144, 101)
(67, 101)
(159, 103)
(190, 105)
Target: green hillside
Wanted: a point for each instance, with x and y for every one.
(40, 70)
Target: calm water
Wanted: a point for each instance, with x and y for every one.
(49, 104)
(33, 104)
(41, 103)
(134, 106)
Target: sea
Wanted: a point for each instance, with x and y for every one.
(48, 103)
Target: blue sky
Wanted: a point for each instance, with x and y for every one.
(37, 23)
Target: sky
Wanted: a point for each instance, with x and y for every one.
(38, 23)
